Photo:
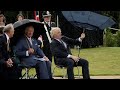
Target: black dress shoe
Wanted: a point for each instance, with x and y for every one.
(51, 78)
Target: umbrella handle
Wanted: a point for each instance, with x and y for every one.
(83, 30)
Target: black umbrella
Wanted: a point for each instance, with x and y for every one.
(20, 26)
(88, 20)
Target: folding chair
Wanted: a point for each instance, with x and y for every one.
(22, 66)
(64, 74)
(26, 74)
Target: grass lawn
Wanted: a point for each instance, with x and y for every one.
(102, 61)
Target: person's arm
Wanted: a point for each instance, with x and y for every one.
(19, 52)
(74, 41)
(40, 52)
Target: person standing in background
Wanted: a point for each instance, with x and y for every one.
(46, 36)
(20, 17)
(2, 20)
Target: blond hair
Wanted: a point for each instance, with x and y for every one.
(8, 27)
(53, 31)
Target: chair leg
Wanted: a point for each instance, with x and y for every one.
(26, 75)
(30, 76)
(23, 75)
(78, 72)
(35, 76)
(26, 71)
(63, 72)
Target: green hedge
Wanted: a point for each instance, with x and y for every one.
(111, 40)
(118, 38)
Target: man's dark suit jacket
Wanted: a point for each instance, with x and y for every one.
(59, 50)
(22, 47)
(7, 72)
(4, 54)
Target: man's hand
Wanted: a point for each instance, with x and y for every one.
(82, 36)
(31, 51)
(46, 59)
(75, 58)
(9, 63)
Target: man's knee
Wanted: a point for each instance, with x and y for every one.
(48, 63)
(70, 62)
(86, 63)
(41, 64)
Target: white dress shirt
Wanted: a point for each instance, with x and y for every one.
(30, 40)
(7, 37)
(8, 42)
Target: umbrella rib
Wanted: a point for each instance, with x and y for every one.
(104, 22)
(73, 20)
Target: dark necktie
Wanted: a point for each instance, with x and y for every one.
(29, 43)
(48, 26)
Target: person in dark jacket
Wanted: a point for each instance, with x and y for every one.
(8, 68)
(46, 35)
(30, 54)
(62, 54)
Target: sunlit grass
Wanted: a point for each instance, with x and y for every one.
(102, 61)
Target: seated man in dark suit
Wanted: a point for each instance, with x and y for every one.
(8, 68)
(31, 55)
(61, 50)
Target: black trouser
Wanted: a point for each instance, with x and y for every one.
(69, 63)
(13, 72)
(43, 70)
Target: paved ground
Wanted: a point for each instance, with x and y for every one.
(94, 77)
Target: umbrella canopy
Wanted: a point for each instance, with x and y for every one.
(20, 26)
(88, 19)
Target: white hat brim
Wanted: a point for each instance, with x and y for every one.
(46, 15)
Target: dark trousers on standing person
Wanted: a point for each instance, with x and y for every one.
(47, 51)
